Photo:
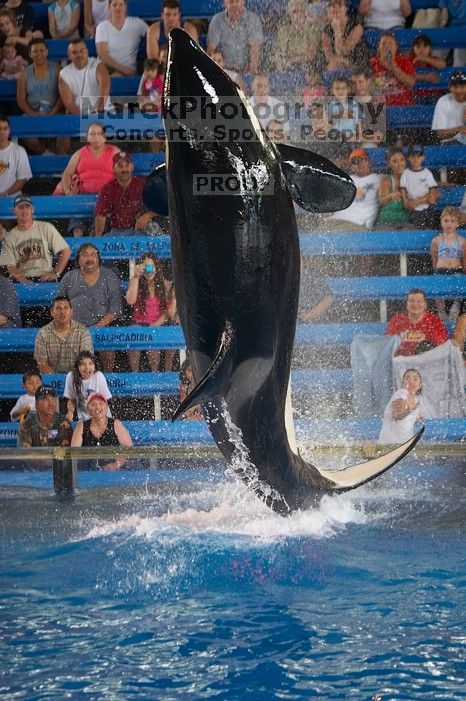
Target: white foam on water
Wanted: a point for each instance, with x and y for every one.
(230, 508)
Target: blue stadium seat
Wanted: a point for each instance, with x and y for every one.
(279, 82)
(121, 384)
(53, 166)
(319, 431)
(146, 125)
(350, 288)
(171, 337)
(63, 207)
(143, 384)
(436, 157)
(446, 38)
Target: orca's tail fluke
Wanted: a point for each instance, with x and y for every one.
(356, 475)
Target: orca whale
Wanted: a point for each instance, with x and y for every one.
(236, 263)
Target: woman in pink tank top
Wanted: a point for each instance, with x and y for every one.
(148, 294)
(91, 167)
(88, 170)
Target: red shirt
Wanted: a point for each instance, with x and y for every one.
(389, 87)
(426, 92)
(429, 328)
(122, 204)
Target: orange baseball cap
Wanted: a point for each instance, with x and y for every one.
(358, 153)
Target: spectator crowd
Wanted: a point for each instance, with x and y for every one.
(309, 68)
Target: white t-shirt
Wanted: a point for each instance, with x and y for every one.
(449, 113)
(25, 401)
(417, 183)
(399, 431)
(122, 44)
(14, 165)
(384, 14)
(363, 210)
(95, 383)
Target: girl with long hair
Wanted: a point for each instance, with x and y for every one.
(153, 303)
(85, 379)
(407, 408)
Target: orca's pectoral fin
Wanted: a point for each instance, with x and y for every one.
(356, 475)
(212, 383)
(314, 182)
(155, 195)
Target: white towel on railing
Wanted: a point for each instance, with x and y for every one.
(371, 365)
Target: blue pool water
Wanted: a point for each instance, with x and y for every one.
(178, 584)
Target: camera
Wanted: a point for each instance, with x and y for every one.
(149, 268)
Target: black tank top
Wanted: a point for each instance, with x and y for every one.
(108, 437)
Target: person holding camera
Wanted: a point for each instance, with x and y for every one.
(152, 301)
(393, 73)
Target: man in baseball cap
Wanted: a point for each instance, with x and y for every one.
(448, 120)
(122, 156)
(22, 200)
(120, 201)
(358, 154)
(416, 150)
(458, 77)
(361, 214)
(45, 426)
(30, 247)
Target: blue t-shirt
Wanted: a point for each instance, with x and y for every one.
(456, 11)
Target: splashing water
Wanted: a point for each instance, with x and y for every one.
(244, 468)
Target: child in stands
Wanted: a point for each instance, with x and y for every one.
(314, 88)
(448, 254)
(343, 114)
(151, 86)
(32, 380)
(422, 57)
(85, 379)
(406, 408)
(219, 59)
(419, 190)
(12, 64)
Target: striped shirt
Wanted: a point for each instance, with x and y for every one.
(60, 353)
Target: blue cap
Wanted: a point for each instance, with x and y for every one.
(22, 199)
